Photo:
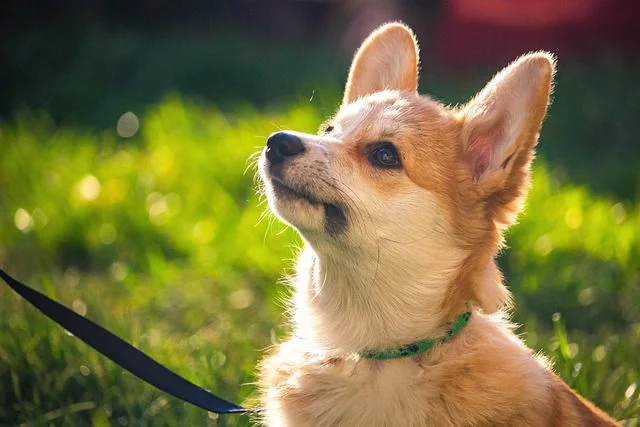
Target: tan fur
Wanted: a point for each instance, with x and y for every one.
(420, 244)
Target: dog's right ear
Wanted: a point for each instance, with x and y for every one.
(387, 59)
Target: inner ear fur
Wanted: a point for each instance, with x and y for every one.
(500, 128)
(387, 59)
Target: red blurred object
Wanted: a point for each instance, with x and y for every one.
(495, 31)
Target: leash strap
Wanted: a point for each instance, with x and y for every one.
(123, 353)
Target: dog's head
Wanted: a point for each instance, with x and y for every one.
(423, 188)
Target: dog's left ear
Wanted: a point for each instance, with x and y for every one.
(500, 128)
(387, 59)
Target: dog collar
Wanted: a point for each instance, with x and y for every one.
(421, 346)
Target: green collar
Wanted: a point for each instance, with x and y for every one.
(421, 346)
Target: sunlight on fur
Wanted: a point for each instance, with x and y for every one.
(401, 203)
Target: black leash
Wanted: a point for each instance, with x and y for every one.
(123, 353)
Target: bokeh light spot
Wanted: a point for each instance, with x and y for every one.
(543, 245)
(241, 299)
(576, 369)
(23, 220)
(573, 351)
(599, 353)
(119, 271)
(152, 199)
(79, 307)
(158, 208)
(586, 296)
(619, 213)
(203, 231)
(630, 390)
(157, 405)
(40, 219)
(174, 203)
(218, 359)
(128, 125)
(573, 218)
(89, 187)
(72, 276)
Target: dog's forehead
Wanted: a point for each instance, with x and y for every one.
(385, 114)
(376, 113)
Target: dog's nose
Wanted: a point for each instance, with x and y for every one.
(281, 145)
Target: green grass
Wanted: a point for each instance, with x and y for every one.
(158, 238)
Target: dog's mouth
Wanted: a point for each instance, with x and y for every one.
(287, 192)
(336, 220)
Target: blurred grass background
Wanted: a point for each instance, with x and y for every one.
(126, 193)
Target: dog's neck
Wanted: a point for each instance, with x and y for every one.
(350, 301)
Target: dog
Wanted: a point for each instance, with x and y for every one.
(399, 313)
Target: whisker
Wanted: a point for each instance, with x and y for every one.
(252, 161)
(266, 231)
(265, 213)
(403, 243)
(321, 287)
(277, 126)
(281, 232)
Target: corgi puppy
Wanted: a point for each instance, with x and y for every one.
(398, 311)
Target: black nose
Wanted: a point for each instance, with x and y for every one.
(281, 145)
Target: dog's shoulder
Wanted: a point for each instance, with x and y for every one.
(571, 409)
(488, 376)
(495, 366)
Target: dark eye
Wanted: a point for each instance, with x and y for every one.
(327, 129)
(384, 155)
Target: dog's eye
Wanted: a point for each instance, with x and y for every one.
(384, 155)
(325, 128)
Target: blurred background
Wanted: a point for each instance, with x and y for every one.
(126, 191)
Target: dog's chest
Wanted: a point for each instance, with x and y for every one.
(347, 392)
(496, 386)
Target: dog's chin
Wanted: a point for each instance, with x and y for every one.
(297, 209)
(301, 210)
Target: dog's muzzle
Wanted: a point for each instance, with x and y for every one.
(284, 146)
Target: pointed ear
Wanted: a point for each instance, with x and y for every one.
(387, 59)
(500, 128)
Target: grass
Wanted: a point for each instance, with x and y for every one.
(158, 238)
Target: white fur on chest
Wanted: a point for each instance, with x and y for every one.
(447, 386)
(346, 392)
